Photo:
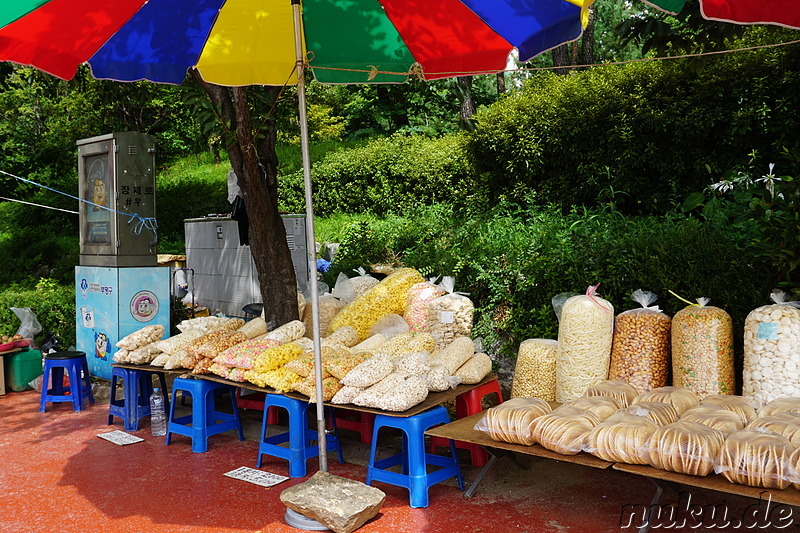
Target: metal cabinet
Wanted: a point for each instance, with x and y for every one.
(225, 275)
(116, 180)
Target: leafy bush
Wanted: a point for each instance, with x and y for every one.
(640, 137)
(29, 253)
(761, 194)
(52, 303)
(386, 175)
(513, 262)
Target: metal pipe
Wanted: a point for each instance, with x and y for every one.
(311, 248)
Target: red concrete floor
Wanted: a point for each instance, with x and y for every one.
(57, 476)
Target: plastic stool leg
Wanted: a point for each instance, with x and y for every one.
(75, 387)
(112, 398)
(459, 477)
(297, 441)
(45, 380)
(265, 423)
(372, 449)
(232, 393)
(131, 395)
(202, 412)
(171, 415)
(335, 430)
(87, 381)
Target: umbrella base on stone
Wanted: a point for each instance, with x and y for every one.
(296, 520)
(340, 504)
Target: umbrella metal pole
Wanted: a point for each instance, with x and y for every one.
(311, 247)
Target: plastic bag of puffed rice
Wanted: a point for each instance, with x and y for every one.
(288, 332)
(394, 393)
(369, 372)
(178, 342)
(141, 337)
(475, 369)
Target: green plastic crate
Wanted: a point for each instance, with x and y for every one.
(22, 368)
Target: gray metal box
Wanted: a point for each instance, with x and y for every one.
(116, 174)
(225, 274)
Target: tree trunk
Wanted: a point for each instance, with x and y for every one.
(466, 103)
(561, 58)
(467, 107)
(253, 159)
(501, 83)
(587, 41)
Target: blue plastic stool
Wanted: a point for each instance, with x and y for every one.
(80, 388)
(302, 440)
(413, 459)
(132, 406)
(205, 420)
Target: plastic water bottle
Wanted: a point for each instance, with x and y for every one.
(158, 419)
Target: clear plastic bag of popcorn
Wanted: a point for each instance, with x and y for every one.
(388, 296)
(535, 371)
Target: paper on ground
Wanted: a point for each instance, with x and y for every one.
(120, 438)
(258, 477)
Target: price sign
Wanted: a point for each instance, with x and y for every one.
(446, 317)
(768, 330)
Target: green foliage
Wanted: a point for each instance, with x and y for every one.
(513, 262)
(27, 253)
(608, 43)
(332, 229)
(768, 200)
(188, 190)
(686, 32)
(386, 175)
(430, 108)
(323, 126)
(638, 137)
(290, 157)
(51, 302)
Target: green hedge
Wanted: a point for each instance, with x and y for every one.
(390, 174)
(640, 137)
(30, 253)
(513, 263)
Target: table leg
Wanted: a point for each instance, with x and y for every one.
(656, 498)
(660, 486)
(479, 477)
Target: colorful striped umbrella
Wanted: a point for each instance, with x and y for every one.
(244, 42)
